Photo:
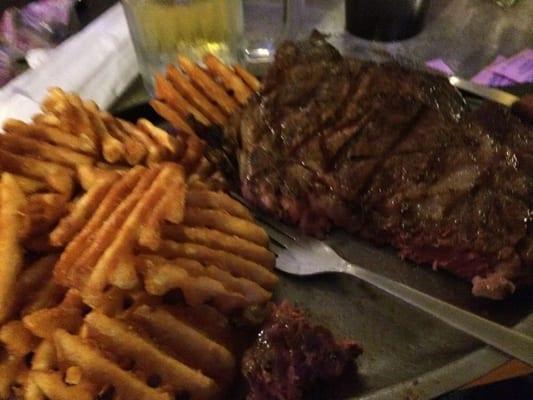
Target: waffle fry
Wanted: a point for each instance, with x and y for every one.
(12, 201)
(82, 211)
(208, 95)
(41, 213)
(50, 134)
(181, 83)
(171, 116)
(210, 88)
(247, 77)
(228, 78)
(44, 151)
(145, 201)
(56, 176)
(119, 278)
(116, 336)
(175, 100)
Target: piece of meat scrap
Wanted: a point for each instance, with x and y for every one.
(291, 357)
(394, 156)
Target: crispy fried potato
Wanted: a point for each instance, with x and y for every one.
(148, 359)
(193, 153)
(44, 151)
(171, 116)
(211, 200)
(159, 136)
(80, 121)
(29, 185)
(189, 277)
(67, 316)
(247, 77)
(232, 263)
(154, 153)
(167, 93)
(88, 176)
(112, 149)
(195, 348)
(209, 87)
(199, 100)
(53, 387)
(134, 151)
(12, 201)
(83, 209)
(52, 135)
(221, 221)
(170, 208)
(58, 177)
(65, 272)
(230, 79)
(41, 213)
(220, 241)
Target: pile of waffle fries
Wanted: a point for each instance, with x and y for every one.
(122, 262)
(209, 95)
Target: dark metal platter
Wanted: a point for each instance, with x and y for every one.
(407, 354)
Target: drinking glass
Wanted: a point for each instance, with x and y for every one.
(161, 29)
(385, 20)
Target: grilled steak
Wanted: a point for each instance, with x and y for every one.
(394, 156)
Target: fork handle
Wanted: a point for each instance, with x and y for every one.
(507, 340)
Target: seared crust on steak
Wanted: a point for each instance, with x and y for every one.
(394, 156)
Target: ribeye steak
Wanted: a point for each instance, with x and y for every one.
(392, 155)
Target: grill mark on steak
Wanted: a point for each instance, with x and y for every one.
(394, 158)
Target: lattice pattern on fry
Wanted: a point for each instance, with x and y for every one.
(129, 213)
(218, 255)
(209, 95)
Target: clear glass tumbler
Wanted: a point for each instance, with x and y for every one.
(161, 29)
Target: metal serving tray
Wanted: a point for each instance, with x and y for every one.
(408, 355)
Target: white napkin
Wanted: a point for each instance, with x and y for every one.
(98, 63)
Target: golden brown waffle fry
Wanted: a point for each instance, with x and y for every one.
(12, 201)
(247, 77)
(88, 176)
(195, 348)
(220, 241)
(173, 376)
(154, 153)
(168, 94)
(224, 222)
(29, 185)
(134, 151)
(130, 212)
(112, 149)
(210, 88)
(56, 176)
(28, 146)
(171, 116)
(41, 213)
(228, 77)
(67, 316)
(181, 83)
(83, 209)
(208, 199)
(189, 276)
(236, 265)
(159, 136)
(200, 284)
(50, 134)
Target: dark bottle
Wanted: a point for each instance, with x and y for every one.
(385, 20)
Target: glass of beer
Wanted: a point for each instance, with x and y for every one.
(161, 29)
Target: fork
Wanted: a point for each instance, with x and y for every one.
(299, 254)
